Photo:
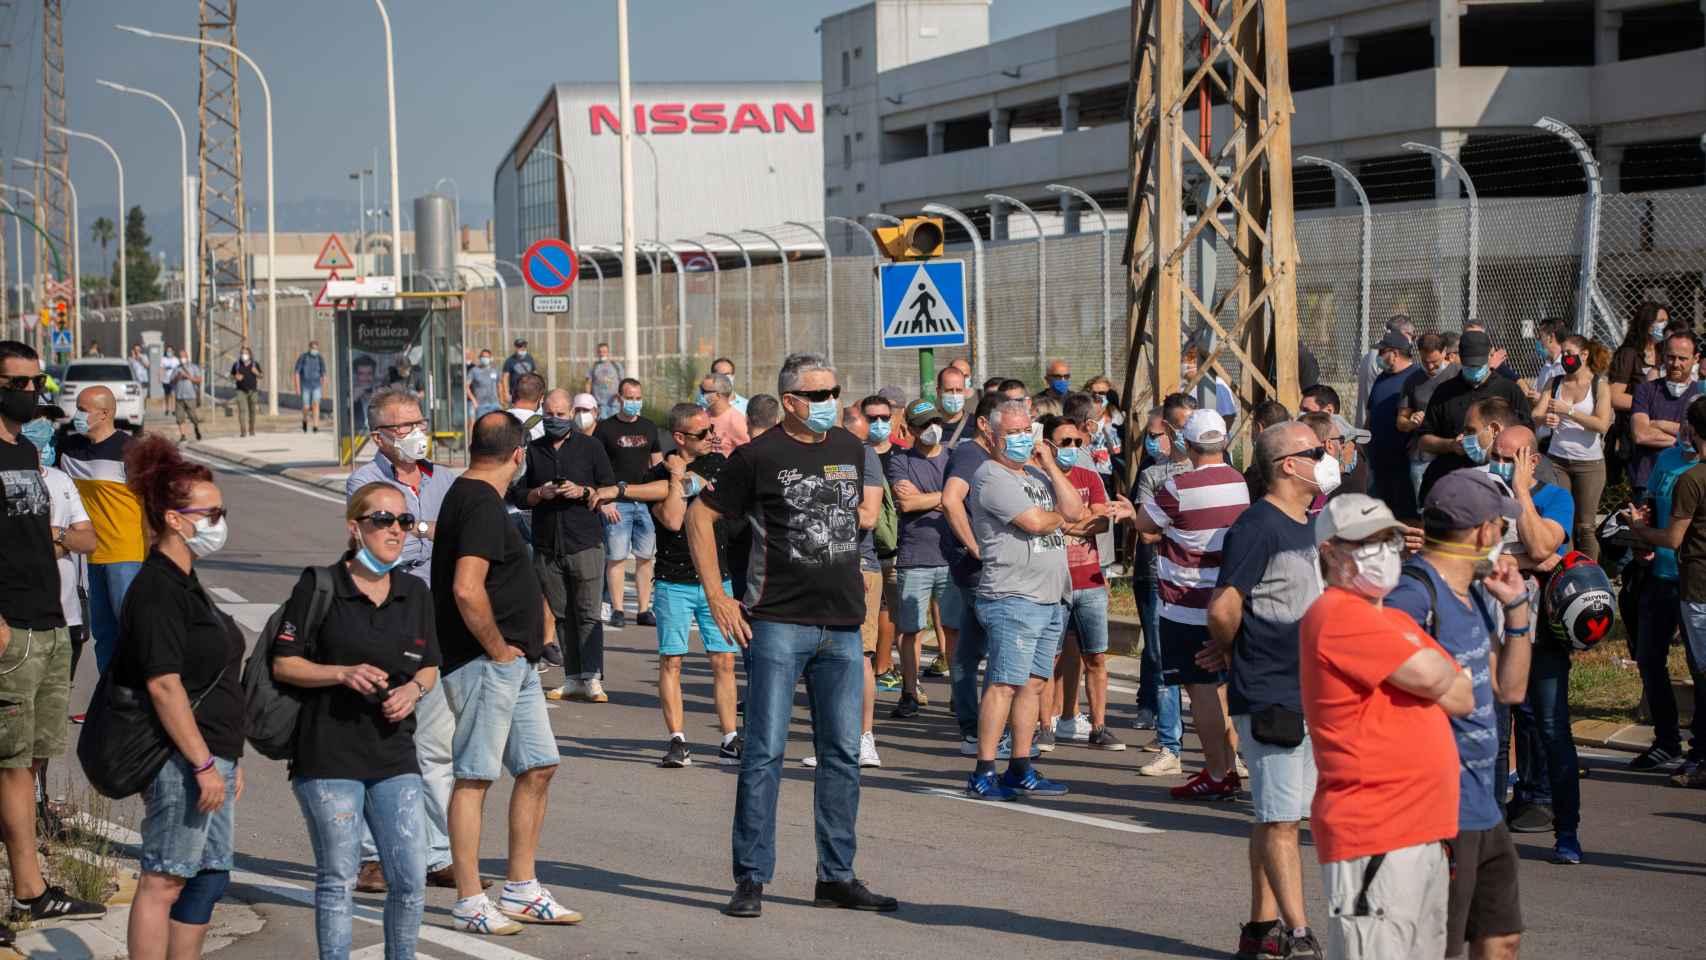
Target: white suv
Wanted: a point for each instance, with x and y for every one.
(115, 375)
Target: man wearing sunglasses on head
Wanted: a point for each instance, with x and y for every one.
(804, 489)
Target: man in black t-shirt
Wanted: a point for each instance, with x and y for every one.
(802, 487)
(246, 374)
(1441, 433)
(631, 443)
(491, 625)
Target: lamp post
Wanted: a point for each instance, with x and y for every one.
(183, 175)
(391, 121)
(1107, 269)
(787, 306)
(980, 342)
(1042, 273)
(828, 287)
(680, 295)
(889, 219)
(657, 228)
(123, 286)
(876, 299)
(630, 292)
(18, 250)
(574, 224)
(598, 271)
(1448, 164)
(272, 234)
(747, 259)
(716, 293)
(1364, 271)
(76, 248)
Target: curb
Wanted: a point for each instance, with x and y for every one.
(296, 474)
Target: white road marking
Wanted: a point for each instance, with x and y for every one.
(224, 467)
(1023, 807)
(254, 616)
(377, 952)
(227, 595)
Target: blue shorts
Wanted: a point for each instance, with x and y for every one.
(1024, 637)
(919, 586)
(179, 840)
(1087, 615)
(310, 396)
(632, 535)
(501, 721)
(678, 606)
(1282, 779)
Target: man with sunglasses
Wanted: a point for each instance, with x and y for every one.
(399, 432)
(803, 488)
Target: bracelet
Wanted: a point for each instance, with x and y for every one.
(198, 771)
(1519, 631)
(418, 686)
(1521, 601)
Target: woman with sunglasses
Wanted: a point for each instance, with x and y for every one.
(361, 670)
(176, 643)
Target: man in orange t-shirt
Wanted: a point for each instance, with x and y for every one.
(1377, 692)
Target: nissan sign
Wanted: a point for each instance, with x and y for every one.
(664, 118)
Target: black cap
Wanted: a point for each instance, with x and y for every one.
(1474, 347)
(521, 341)
(1393, 340)
(1467, 498)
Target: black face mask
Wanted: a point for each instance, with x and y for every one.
(1570, 362)
(558, 427)
(18, 406)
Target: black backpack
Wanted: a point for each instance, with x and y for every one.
(270, 710)
(1430, 622)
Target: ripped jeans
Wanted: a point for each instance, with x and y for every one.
(392, 809)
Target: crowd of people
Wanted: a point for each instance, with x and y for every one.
(1354, 619)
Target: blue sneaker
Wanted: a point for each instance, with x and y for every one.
(1568, 850)
(988, 786)
(1032, 784)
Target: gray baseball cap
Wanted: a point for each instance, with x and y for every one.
(1467, 498)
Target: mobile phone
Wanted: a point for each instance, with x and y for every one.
(1036, 431)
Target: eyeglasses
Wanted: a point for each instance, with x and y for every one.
(215, 514)
(817, 396)
(884, 417)
(38, 383)
(1073, 442)
(1313, 453)
(383, 519)
(709, 431)
(402, 429)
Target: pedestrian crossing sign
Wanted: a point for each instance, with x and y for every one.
(924, 304)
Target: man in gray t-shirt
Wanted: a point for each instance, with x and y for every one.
(1018, 504)
(185, 379)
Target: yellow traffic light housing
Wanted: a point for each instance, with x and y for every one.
(917, 238)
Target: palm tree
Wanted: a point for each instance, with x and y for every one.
(103, 232)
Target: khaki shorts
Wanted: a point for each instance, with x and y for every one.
(183, 411)
(35, 690)
(873, 607)
(1406, 915)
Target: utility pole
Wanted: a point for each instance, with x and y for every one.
(52, 183)
(222, 216)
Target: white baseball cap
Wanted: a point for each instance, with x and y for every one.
(1204, 427)
(1354, 517)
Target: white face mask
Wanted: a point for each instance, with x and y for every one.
(584, 419)
(931, 436)
(1677, 389)
(1326, 475)
(413, 446)
(209, 536)
(1378, 567)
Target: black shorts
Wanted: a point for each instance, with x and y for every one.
(1180, 644)
(1484, 901)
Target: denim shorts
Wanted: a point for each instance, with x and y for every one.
(632, 535)
(678, 606)
(179, 840)
(1024, 637)
(310, 395)
(501, 721)
(1694, 630)
(1087, 615)
(919, 586)
(1282, 779)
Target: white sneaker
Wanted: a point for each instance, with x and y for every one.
(968, 746)
(1165, 765)
(1075, 730)
(868, 751)
(570, 690)
(595, 691)
(1243, 771)
(810, 763)
(485, 919)
(542, 908)
(604, 612)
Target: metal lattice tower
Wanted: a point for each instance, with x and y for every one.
(223, 221)
(1243, 62)
(55, 208)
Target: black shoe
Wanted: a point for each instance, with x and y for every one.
(553, 654)
(907, 707)
(1531, 818)
(730, 752)
(645, 619)
(1654, 757)
(1261, 940)
(55, 904)
(304, 426)
(676, 755)
(748, 900)
(617, 620)
(1305, 947)
(851, 895)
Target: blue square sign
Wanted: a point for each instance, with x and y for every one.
(924, 304)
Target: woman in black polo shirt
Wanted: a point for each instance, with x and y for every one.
(362, 670)
(176, 643)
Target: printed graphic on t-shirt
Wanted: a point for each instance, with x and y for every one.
(826, 512)
(633, 440)
(26, 494)
(1042, 496)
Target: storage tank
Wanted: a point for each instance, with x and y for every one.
(435, 241)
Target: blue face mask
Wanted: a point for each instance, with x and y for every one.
(1472, 448)
(953, 402)
(80, 422)
(1066, 458)
(1504, 471)
(631, 408)
(1059, 385)
(1152, 444)
(40, 433)
(822, 416)
(1018, 446)
(1540, 351)
(880, 430)
(1476, 374)
(374, 564)
(703, 400)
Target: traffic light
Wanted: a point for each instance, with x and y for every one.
(60, 310)
(917, 238)
(46, 317)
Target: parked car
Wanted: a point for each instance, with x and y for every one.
(115, 375)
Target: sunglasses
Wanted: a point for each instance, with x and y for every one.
(1313, 453)
(38, 383)
(709, 431)
(383, 519)
(817, 396)
(215, 514)
(884, 417)
(1074, 442)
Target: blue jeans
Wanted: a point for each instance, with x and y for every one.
(108, 583)
(434, 730)
(632, 535)
(1152, 694)
(178, 840)
(1087, 613)
(832, 660)
(500, 720)
(392, 809)
(969, 651)
(1550, 772)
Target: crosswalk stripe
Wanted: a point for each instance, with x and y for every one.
(1036, 811)
(226, 594)
(376, 951)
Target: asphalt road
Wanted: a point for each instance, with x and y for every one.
(1114, 869)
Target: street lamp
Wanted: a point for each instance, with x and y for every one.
(503, 292)
(76, 245)
(391, 120)
(876, 301)
(1107, 269)
(18, 244)
(574, 191)
(123, 286)
(272, 235)
(716, 292)
(787, 306)
(980, 342)
(746, 258)
(1448, 163)
(657, 230)
(360, 178)
(828, 286)
(184, 190)
(1042, 272)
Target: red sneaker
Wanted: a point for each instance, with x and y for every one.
(77, 718)
(1205, 787)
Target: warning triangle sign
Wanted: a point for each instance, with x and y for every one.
(922, 310)
(320, 301)
(333, 256)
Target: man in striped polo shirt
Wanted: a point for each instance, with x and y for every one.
(1192, 511)
(93, 455)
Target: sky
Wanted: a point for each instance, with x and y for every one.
(469, 74)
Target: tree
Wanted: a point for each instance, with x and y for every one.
(102, 231)
(142, 279)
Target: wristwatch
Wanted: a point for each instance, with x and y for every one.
(59, 539)
(421, 528)
(621, 489)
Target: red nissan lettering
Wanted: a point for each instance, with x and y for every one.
(708, 118)
(668, 118)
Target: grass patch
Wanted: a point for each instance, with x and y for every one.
(1605, 684)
